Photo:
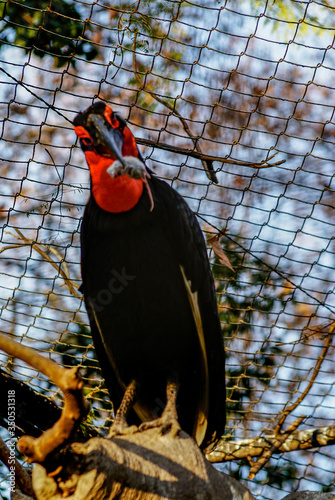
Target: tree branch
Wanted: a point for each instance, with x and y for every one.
(138, 466)
(279, 441)
(202, 156)
(207, 160)
(316, 370)
(34, 413)
(150, 463)
(75, 406)
(227, 451)
(281, 436)
(207, 163)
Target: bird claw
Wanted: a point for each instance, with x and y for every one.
(121, 429)
(166, 423)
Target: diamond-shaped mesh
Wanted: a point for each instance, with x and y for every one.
(239, 81)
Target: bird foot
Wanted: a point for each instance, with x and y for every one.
(168, 423)
(121, 428)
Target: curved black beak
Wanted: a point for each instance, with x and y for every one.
(106, 136)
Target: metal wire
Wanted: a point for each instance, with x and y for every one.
(239, 80)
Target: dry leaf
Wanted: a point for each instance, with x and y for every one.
(219, 253)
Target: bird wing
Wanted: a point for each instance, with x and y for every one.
(201, 421)
(190, 247)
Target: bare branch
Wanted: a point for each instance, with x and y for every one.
(139, 466)
(279, 441)
(316, 370)
(75, 406)
(207, 163)
(201, 156)
(72, 286)
(281, 436)
(228, 451)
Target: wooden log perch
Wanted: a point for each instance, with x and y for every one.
(144, 465)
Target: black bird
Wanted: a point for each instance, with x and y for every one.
(148, 289)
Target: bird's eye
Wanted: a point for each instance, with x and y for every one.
(87, 141)
(115, 121)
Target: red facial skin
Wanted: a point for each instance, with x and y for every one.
(118, 194)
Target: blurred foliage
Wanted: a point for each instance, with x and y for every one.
(146, 32)
(241, 299)
(48, 27)
(240, 306)
(296, 13)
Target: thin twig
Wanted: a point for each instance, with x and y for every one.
(207, 160)
(37, 247)
(309, 386)
(279, 441)
(321, 329)
(207, 163)
(281, 436)
(202, 156)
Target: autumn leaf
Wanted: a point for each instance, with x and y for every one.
(219, 253)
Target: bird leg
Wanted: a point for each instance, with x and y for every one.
(120, 425)
(168, 421)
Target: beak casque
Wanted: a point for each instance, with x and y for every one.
(107, 136)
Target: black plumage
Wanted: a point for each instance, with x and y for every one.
(150, 297)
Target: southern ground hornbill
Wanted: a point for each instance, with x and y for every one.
(148, 290)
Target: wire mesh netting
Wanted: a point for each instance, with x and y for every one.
(237, 81)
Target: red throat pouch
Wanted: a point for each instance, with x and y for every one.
(118, 194)
(113, 194)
